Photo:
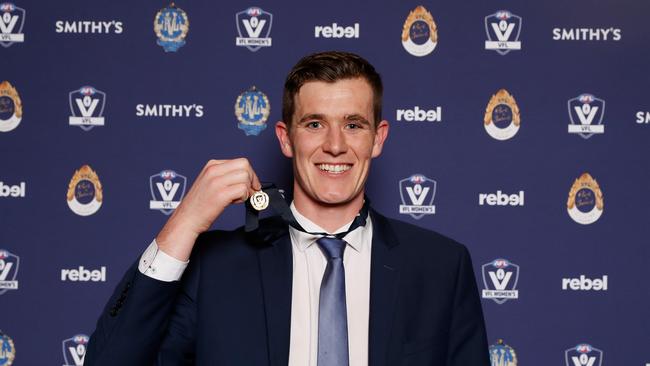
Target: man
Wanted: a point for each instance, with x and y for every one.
(381, 292)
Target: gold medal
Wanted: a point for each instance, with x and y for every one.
(259, 200)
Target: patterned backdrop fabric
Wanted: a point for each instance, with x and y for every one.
(519, 129)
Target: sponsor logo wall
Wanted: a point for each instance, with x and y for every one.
(511, 127)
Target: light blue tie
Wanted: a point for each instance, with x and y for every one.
(332, 314)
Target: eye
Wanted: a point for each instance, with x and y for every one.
(353, 126)
(313, 124)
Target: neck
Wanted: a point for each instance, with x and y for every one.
(329, 217)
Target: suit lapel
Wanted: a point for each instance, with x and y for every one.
(384, 278)
(276, 269)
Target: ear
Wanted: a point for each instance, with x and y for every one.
(282, 132)
(380, 137)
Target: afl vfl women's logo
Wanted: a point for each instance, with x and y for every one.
(85, 194)
(583, 355)
(419, 33)
(503, 29)
(8, 271)
(502, 355)
(11, 108)
(500, 278)
(167, 191)
(7, 350)
(74, 350)
(417, 193)
(12, 20)
(502, 117)
(585, 203)
(87, 107)
(254, 28)
(252, 109)
(171, 26)
(586, 114)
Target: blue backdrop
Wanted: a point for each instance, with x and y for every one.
(497, 111)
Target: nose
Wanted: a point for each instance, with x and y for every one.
(335, 142)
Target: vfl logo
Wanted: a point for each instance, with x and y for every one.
(8, 271)
(167, 191)
(503, 276)
(420, 191)
(584, 110)
(74, 350)
(12, 20)
(583, 355)
(257, 24)
(87, 107)
(503, 29)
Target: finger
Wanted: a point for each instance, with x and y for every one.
(257, 185)
(223, 167)
(236, 193)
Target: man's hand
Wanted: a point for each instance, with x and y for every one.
(220, 183)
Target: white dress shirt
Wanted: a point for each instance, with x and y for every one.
(309, 264)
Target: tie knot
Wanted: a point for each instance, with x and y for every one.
(332, 247)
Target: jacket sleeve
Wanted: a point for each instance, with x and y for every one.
(467, 337)
(146, 322)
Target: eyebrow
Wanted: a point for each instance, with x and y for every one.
(311, 117)
(356, 118)
(348, 117)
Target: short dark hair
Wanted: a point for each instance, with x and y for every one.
(330, 66)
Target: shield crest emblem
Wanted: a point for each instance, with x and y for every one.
(254, 27)
(12, 20)
(503, 30)
(167, 191)
(74, 350)
(586, 113)
(9, 264)
(87, 107)
(583, 355)
(417, 193)
(500, 279)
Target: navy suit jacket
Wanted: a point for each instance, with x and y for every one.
(233, 304)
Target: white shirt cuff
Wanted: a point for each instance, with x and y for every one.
(159, 265)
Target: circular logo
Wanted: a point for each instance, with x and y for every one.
(11, 109)
(252, 109)
(502, 354)
(585, 204)
(419, 33)
(502, 119)
(171, 26)
(85, 194)
(259, 200)
(7, 350)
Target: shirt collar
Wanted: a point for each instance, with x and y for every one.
(305, 240)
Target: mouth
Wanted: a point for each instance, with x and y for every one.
(334, 168)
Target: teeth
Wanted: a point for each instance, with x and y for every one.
(331, 168)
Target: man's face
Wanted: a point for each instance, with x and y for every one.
(332, 140)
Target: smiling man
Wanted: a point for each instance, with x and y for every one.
(330, 282)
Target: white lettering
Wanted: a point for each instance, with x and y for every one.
(585, 284)
(417, 114)
(336, 31)
(84, 275)
(12, 191)
(501, 199)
